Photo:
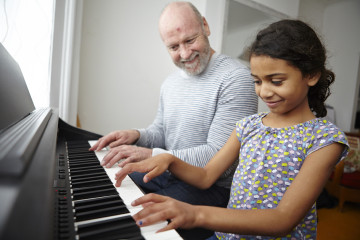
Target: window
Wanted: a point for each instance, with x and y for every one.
(26, 32)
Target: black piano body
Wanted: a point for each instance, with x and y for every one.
(35, 196)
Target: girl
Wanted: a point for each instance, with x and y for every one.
(285, 155)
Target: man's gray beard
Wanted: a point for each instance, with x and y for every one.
(204, 60)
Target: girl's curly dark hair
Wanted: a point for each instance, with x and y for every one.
(298, 44)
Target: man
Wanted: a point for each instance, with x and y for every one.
(199, 106)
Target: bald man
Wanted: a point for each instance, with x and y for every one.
(199, 106)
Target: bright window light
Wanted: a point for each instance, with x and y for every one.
(26, 32)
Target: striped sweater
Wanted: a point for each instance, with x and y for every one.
(197, 114)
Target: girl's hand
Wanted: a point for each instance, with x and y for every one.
(155, 166)
(161, 208)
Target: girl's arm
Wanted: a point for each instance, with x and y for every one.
(293, 207)
(199, 177)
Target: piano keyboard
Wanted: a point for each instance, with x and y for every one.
(102, 211)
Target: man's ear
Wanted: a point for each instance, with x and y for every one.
(206, 27)
(313, 79)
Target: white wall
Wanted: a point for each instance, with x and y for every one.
(338, 23)
(123, 63)
(342, 31)
(290, 8)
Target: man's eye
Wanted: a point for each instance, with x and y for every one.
(257, 82)
(174, 48)
(191, 40)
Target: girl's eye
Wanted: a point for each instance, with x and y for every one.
(257, 82)
(276, 82)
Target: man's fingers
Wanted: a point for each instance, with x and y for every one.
(100, 144)
(104, 141)
(94, 146)
(116, 143)
(107, 158)
(124, 163)
(112, 157)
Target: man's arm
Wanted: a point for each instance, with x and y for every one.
(153, 136)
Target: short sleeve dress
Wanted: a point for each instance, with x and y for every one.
(269, 160)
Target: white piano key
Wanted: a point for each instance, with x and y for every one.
(129, 191)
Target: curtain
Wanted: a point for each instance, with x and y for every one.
(65, 59)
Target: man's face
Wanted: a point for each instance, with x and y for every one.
(187, 42)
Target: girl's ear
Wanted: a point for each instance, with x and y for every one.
(313, 79)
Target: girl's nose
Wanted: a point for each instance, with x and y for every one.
(265, 91)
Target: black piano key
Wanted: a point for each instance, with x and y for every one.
(75, 162)
(79, 156)
(83, 205)
(81, 144)
(80, 152)
(78, 148)
(100, 210)
(87, 163)
(82, 159)
(88, 171)
(87, 175)
(78, 143)
(117, 228)
(90, 182)
(93, 188)
(93, 192)
(82, 155)
(92, 177)
(86, 168)
(79, 165)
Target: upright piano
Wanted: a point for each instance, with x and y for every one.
(51, 186)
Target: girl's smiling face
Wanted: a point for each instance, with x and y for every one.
(281, 86)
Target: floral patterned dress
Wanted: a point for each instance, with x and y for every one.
(269, 160)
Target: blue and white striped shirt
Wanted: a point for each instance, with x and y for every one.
(197, 114)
